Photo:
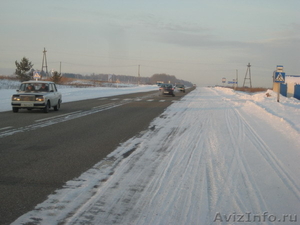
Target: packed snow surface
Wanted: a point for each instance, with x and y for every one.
(214, 157)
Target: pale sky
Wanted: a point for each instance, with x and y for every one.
(199, 41)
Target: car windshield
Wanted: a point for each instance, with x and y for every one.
(36, 87)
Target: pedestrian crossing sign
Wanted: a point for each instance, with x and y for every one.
(279, 77)
(36, 74)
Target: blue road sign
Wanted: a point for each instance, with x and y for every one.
(279, 77)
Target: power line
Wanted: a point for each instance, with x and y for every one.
(79, 64)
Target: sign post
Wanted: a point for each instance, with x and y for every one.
(223, 80)
(279, 77)
(233, 82)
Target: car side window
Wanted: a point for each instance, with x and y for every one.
(54, 87)
(50, 88)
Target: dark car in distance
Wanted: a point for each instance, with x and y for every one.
(166, 89)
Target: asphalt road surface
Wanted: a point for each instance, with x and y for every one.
(39, 151)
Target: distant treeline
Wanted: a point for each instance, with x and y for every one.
(165, 78)
(130, 79)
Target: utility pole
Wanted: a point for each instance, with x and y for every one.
(248, 70)
(139, 75)
(236, 79)
(44, 62)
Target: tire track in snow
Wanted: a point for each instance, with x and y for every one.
(176, 198)
(175, 202)
(239, 162)
(255, 196)
(271, 159)
(236, 136)
(262, 147)
(224, 175)
(132, 194)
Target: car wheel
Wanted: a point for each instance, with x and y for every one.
(15, 110)
(57, 107)
(46, 109)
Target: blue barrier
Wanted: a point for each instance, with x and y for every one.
(283, 89)
(297, 91)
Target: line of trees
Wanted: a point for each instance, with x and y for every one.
(165, 78)
(130, 79)
(110, 78)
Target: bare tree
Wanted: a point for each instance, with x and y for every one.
(56, 77)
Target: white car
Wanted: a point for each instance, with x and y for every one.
(36, 95)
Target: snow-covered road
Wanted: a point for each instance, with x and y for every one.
(214, 157)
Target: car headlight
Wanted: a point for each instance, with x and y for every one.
(16, 98)
(39, 98)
